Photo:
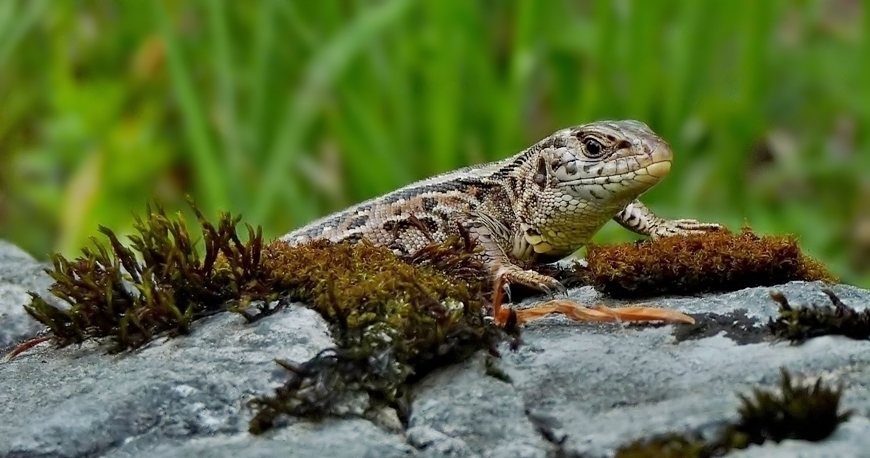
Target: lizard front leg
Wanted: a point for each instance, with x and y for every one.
(495, 237)
(637, 218)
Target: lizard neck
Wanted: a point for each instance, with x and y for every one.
(555, 221)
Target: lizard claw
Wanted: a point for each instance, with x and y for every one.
(556, 289)
(506, 288)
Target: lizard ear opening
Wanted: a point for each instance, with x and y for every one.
(541, 177)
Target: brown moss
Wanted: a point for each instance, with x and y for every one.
(394, 320)
(364, 282)
(113, 294)
(798, 324)
(711, 262)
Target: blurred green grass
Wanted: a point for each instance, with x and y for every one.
(284, 111)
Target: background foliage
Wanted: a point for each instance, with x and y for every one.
(285, 110)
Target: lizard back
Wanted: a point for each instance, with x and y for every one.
(420, 213)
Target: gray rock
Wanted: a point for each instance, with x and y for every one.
(434, 443)
(575, 388)
(19, 268)
(185, 395)
(484, 413)
(597, 387)
(15, 324)
(19, 273)
(331, 438)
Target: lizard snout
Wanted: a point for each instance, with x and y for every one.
(659, 162)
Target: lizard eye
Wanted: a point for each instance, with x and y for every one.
(593, 147)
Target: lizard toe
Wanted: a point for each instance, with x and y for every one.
(685, 227)
(559, 289)
(546, 284)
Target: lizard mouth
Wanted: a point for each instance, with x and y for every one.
(657, 169)
(658, 163)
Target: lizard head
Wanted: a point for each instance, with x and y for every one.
(577, 179)
(606, 160)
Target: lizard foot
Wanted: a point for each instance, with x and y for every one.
(509, 273)
(513, 274)
(683, 227)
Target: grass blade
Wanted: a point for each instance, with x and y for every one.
(210, 180)
(327, 65)
(12, 29)
(226, 97)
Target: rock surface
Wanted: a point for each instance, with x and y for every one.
(19, 273)
(589, 387)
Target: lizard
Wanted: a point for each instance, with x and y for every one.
(538, 206)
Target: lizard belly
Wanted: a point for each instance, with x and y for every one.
(554, 237)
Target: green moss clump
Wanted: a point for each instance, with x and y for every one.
(360, 282)
(711, 262)
(666, 446)
(113, 294)
(799, 324)
(393, 319)
(803, 412)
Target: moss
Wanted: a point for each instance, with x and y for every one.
(711, 262)
(113, 294)
(809, 412)
(799, 324)
(393, 319)
(361, 282)
(666, 446)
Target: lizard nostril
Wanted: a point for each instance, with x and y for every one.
(651, 144)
